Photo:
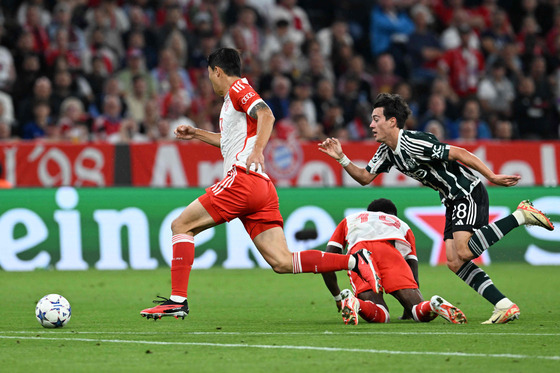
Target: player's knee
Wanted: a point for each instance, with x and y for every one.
(453, 265)
(464, 253)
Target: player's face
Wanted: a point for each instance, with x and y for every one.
(381, 126)
(213, 76)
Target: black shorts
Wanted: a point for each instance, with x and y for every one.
(467, 213)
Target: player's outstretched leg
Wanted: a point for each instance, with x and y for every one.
(166, 307)
(533, 216)
(447, 310)
(504, 315)
(364, 268)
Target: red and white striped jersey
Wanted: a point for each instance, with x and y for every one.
(238, 129)
(375, 226)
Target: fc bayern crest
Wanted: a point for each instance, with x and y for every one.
(283, 158)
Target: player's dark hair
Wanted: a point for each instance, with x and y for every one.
(393, 106)
(227, 59)
(383, 205)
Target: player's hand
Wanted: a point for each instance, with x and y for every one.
(257, 159)
(332, 147)
(506, 180)
(339, 305)
(184, 132)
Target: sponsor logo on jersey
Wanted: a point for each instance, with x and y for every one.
(247, 97)
(437, 151)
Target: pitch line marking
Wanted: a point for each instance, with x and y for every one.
(290, 347)
(282, 333)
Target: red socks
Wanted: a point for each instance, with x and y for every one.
(372, 312)
(318, 262)
(422, 312)
(181, 263)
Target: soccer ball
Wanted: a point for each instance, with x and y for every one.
(53, 311)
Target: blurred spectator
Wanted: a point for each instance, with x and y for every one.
(463, 65)
(112, 21)
(319, 69)
(333, 119)
(64, 86)
(42, 15)
(553, 34)
(279, 101)
(323, 96)
(177, 43)
(140, 35)
(62, 19)
(38, 126)
(23, 49)
(330, 38)
(436, 112)
(135, 66)
(358, 126)
(129, 132)
(176, 91)
(468, 131)
(496, 91)
(149, 125)
(356, 70)
(204, 103)
(60, 47)
(289, 10)
(384, 78)
(6, 132)
(494, 38)
(389, 32)
(531, 113)
(504, 130)
(107, 126)
(42, 92)
(168, 63)
(451, 37)
(471, 113)
(529, 40)
(97, 79)
(404, 89)
(389, 26)
(435, 128)
(7, 67)
(34, 22)
(74, 122)
(137, 99)
(7, 109)
(305, 131)
(97, 48)
(176, 114)
(303, 92)
(279, 33)
(423, 47)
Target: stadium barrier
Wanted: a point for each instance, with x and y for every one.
(194, 164)
(117, 228)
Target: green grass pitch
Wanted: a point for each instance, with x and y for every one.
(259, 321)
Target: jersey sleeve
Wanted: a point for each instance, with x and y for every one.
(243, 96)
(380, 162)
(338, 237)
(427, 147)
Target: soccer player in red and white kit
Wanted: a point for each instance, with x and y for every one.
(246, 192)
(393, 254)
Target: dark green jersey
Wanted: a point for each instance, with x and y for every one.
(422, 157)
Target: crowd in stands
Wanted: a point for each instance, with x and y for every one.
(133, 70)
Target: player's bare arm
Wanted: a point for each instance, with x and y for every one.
(332, 147)
(265, 120)
(184, 132)
(470, 160)
(330, 278)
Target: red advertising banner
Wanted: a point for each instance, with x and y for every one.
(194, 164)
(34, 164)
